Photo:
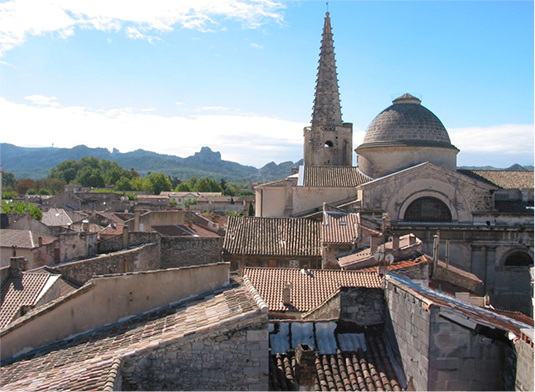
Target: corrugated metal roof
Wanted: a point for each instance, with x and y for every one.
(272, 236)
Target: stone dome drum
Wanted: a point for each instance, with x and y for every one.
(407, 122)
(403, 135)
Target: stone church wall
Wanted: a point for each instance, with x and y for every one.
(524, 366)
(227, 358)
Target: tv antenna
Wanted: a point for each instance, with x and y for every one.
(327, 4)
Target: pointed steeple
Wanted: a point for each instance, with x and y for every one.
(327, 109)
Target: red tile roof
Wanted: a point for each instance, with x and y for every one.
(23, 239)
(89, 361)
(368, 369)
(272, 236)
(339, 228)
(308, 290)
(333, 176)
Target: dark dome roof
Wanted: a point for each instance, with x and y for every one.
(407, 122)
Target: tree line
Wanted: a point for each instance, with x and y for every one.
(100, 173)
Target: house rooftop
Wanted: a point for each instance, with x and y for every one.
(23, 239)
(90, 361)
(505, 179)
(333, 176)
(308, 288)
(272, 236)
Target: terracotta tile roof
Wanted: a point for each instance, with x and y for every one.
(333, 176)
(308, 290)
(365, 367)
(185, 231)
(23, 239)
(339, 228)
(20, 291)
(272, 236)
(87, 362)
(506, 179)
(399, 265)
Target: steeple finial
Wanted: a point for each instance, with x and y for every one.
(327, 109)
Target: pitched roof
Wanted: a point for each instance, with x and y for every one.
(333, 176)
(23, 239)
(506, 179)
(56, 217)
(308, 289)
(339, 227)
(274, 184)
(185, 231)
(20, 291)
(354, 362)
(272, 236)
(89, 361)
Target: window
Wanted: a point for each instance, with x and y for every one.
(518, 259)
(427, 209)
(328, 144)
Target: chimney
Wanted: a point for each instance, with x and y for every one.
(306, 368)
(286, 295)
(40, 240)
(374, 242)
(15, 264)
(395, 242)
(412, 239)
(126, 237)
(136, 220)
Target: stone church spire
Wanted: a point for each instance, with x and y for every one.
(327, 109)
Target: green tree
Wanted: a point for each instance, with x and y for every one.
(183, 187)
(90, 177)
(124, 184)
(142, 184)
(8, 179)
(20, 207)
(160, 183)
(207, 185)
(24, 184)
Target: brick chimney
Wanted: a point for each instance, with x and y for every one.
(374, 242)
(286, 295)
(40, 240)
(305, 369)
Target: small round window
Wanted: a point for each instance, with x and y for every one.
(328, 144)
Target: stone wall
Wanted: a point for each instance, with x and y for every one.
(179, 252)
(363, 306)
(143, 258)
(228, 358)
(74, 246)
(407, 328)
(524, 366)
(460, 359)
(117, 243)
(112, 244)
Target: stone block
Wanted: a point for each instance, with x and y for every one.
(257, 335)
(251, 371)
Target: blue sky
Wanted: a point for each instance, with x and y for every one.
(239, 75)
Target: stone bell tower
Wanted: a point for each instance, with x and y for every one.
(328, 141)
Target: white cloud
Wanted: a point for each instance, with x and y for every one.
(508, 139)
(250, 140)
(20, 19)
(257, 46)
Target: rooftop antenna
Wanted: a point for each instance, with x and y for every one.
(327, 3)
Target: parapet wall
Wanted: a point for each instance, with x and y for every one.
(179, 252)
(143, 258)
(118, 297)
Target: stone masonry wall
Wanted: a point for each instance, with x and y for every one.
(407, 327)
(113, 244)
(362, 306)
(524, 366)
(144, 258)
(232, 358)
(459, 359)
(179, 252)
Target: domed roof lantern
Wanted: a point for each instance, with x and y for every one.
(407, 98)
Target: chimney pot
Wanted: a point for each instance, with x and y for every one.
(286, 295)
(15, 266)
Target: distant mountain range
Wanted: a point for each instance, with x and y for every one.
(26, 162)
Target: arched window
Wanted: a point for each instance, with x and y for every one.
(427, 209)
(518, 259)
(328, 143)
